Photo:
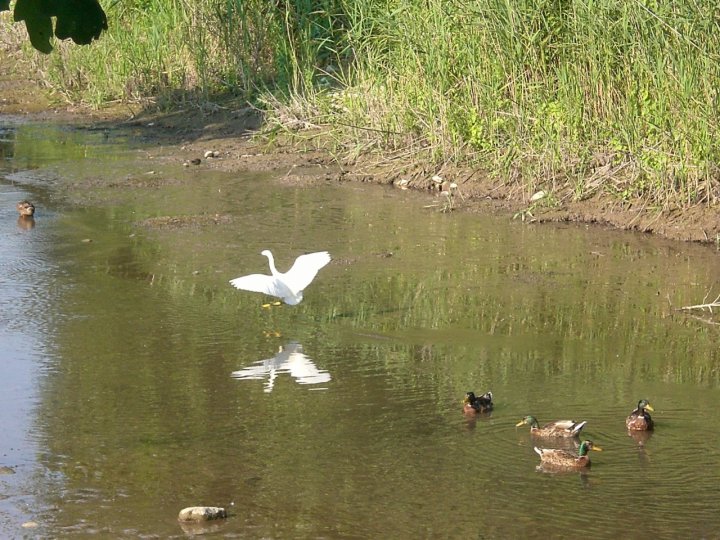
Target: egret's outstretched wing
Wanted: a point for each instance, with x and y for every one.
(305, 269)
(258, 283)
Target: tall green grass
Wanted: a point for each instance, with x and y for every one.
(572, 96)
(170, 50)
(560, 90)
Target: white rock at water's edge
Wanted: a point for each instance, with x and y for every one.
(201, 513)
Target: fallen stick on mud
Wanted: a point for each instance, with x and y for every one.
(704, 320)
(708, 306)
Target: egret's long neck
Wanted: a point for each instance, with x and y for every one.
(271, 262)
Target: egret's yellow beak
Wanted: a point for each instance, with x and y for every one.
(520, 423)
(649, 408)
(597, 448)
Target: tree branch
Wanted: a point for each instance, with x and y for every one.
(706, 306)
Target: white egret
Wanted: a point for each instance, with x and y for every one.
(288, 286)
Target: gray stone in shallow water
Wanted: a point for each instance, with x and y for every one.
(201, 513)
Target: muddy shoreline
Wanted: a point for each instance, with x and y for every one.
(234, 132)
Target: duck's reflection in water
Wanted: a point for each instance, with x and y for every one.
(25, 222)
(289, 359)
(641, 438)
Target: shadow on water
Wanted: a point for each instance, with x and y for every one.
(126, 354)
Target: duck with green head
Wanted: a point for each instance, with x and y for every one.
(473, 404)
(640, 419)
(562, 459)
(559, 428)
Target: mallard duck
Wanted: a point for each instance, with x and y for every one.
(640, 419)
(562, 459)
(473, 404)
(559, 428)
(25, 208)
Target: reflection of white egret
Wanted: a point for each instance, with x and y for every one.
(289, 359)
(288, 286)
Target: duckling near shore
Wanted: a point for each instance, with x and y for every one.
(25, 208)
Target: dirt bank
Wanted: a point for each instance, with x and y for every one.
(189, 134)
(230, 128)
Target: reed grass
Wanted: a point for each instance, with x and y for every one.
(555, 89)
(574, 97)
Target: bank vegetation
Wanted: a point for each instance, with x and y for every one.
(579, 99)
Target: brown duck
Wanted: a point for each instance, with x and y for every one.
(640, 419)
(25, 208)
(562, 459)
(559, 428)
(473, 404)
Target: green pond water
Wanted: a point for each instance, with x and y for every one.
(120, 337)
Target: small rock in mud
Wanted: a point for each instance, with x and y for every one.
(201, 513)
(6, 470)
(212, 154)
